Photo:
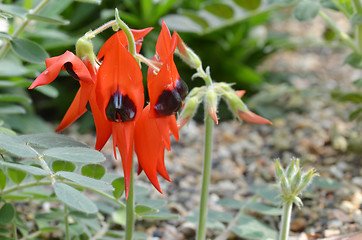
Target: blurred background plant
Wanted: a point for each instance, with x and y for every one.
(215, 28)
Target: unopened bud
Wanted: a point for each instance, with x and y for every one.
(235, 104)
(278, 170)
(292, 168)
(188, 111)
(296, 181)
(84, 49)
(187, 55)
(285, 186)
(307, 179)
(211, 104)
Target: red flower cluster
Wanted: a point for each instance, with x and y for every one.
(114, 89)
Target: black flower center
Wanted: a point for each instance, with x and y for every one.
(69, 68)
(168, 103)
(182, 88)
(120, 108)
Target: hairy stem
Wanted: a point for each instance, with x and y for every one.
(342, 35)
(209, 124)
(285, 224)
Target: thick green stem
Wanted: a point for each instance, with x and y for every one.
(131, 42)
(209, 125)
(285, 224)
(67, 237)
(22, 26)
(342, 35)
(130, 218)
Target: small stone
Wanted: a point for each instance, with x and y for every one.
(347, 207)
(188, 229)
(331, 232)
(335, 223)
(357, 181)
(170, 232)
(298, 224)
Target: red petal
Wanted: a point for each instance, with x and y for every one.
(149, 148)
(78, 106)
(119, 72)
(163, 45)
(120, 37)
(240, 93)
(253, 118)
(166, 77)
(123, 134)
(55, 64)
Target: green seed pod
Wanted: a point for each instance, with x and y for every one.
(188, 110)
(187, 55)
(211, 104)
(84, 49)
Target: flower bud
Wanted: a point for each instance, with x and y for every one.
(307, 179)
(292, 168)
(84, 49)
(284, 185)
(187, 55)
(211, 104)
(235, 104)
(188, 111)
(296, 181)
(278, 170)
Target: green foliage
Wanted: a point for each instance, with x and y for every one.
(93, 170)
(118, 185)
(32, 163)
(7, 213)
(306, 10)
(29, 51)
(63, 166)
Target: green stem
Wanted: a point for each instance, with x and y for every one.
(43, 164)
(285, 224)
(130, 218)
(357, 5)
(22, 26)
(15, 233)
(358, 10)
(131, 42)
(205, 75)
(66, 222)
(32, 184)
(100, 29)
(343, 36)
(209, 124)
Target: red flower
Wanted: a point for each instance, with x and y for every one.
(166, 91)
(119, 92)
(79, 70)
(150, 146)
